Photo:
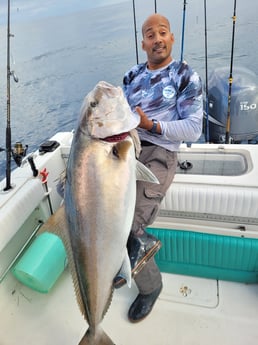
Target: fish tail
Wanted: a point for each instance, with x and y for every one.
(96, 338)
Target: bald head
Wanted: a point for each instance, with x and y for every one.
(157, 41)
(153, 20)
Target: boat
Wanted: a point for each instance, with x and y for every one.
(208, 224)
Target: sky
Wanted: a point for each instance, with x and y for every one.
(24, 10)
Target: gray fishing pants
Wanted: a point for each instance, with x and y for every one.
(163, 164)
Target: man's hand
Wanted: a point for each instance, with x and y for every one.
(145, 122)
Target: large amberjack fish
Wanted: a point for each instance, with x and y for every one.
(100, 193)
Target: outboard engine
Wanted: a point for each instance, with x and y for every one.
(243, 106)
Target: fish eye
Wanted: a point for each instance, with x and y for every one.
(115, 151)
(93, 104)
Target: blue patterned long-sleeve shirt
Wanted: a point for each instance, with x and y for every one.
(173, 96)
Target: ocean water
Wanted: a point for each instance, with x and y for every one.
(60, 57)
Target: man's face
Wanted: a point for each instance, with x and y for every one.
(157, 41)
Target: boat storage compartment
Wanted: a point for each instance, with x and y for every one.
(216, 161)
(207, 255)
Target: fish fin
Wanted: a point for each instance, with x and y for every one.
(144, 174)
(60, 185)
(73, 271)
(125, 271)
(108, 303)
(99, 337)
(56, 223)
(136, 140)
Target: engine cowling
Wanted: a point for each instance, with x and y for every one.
(243, 105)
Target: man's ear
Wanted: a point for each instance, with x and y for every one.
(172, 38)
(143, 46)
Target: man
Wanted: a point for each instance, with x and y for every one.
(167, 95)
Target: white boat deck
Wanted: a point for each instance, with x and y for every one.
(189, 311)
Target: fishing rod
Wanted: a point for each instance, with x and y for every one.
(135, 29)
(207, 131)
(8, 115)
(183, 32)
(18, 152)
(230, 79)
(135, 34)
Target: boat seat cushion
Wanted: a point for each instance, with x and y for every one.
(212, 199)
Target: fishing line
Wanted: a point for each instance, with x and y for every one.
(230, 79)
(207, 131)
(183, 31)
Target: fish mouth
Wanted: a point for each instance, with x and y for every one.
(116, 137)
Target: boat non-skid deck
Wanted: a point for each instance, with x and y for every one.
(189, 311)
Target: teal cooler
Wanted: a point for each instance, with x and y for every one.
(207, 255)
(42, 263)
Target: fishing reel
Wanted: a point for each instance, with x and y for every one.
(19, 152)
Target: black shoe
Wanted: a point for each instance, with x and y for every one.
(140, 249)
(143, 305)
